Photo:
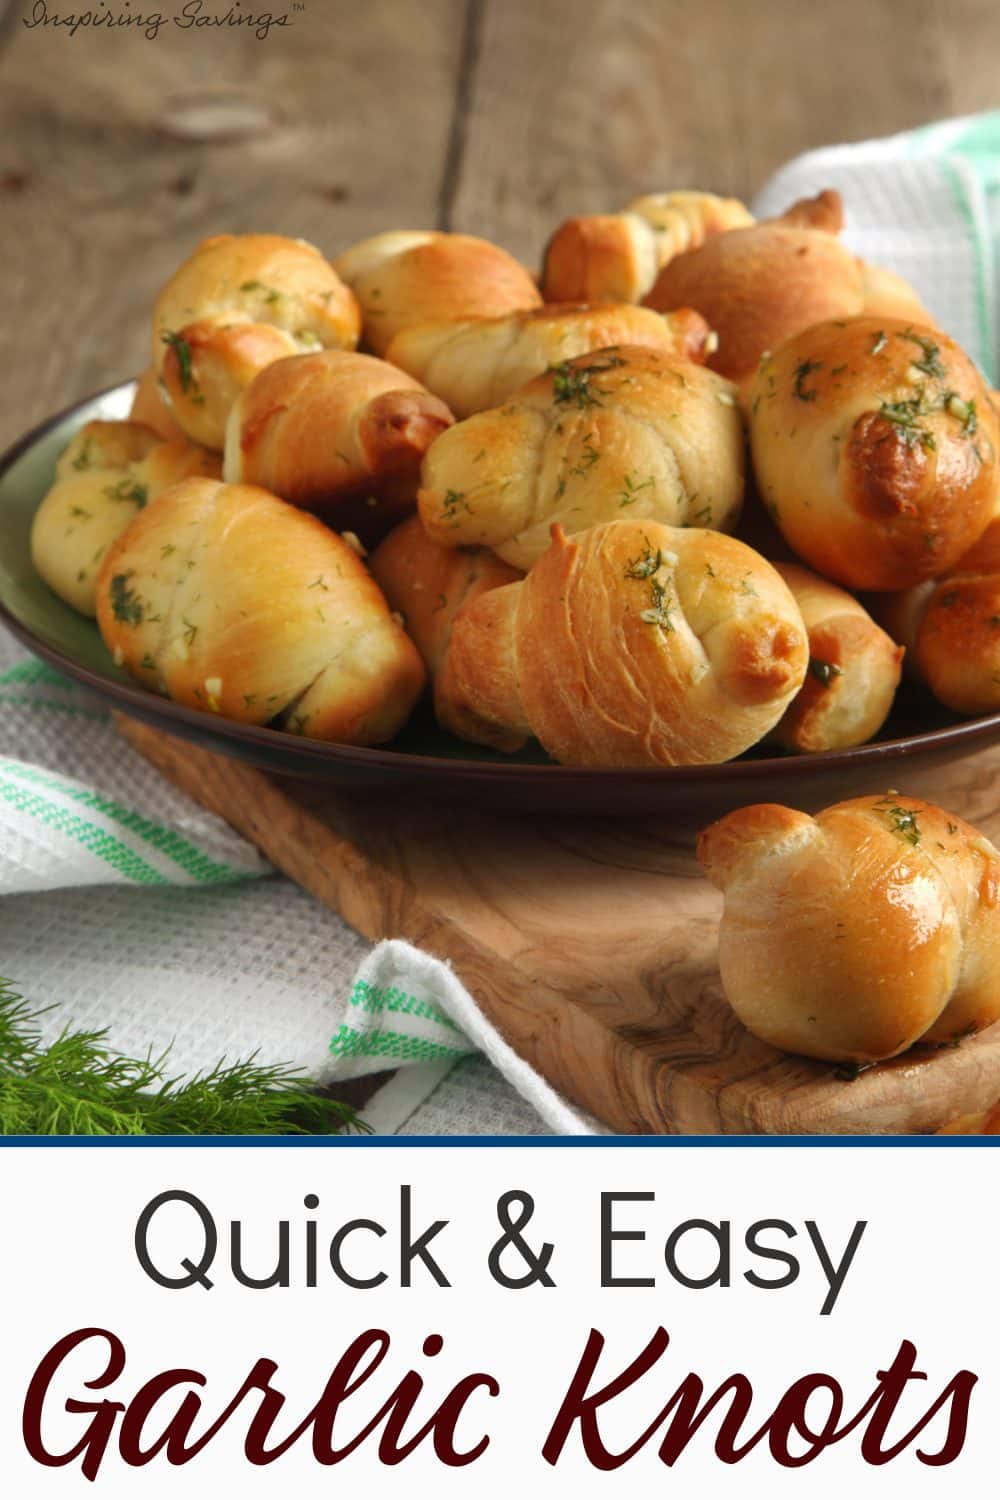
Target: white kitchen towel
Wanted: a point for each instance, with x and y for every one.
(130, 907)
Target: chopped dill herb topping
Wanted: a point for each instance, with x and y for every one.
(746, 587)
(128, 489)
(905, 417)
(182, 349)
(167, 550)
(82, 459)
(126, 606)
(948, 599)
(588, 459)
(633, 490)
(318, 583)
(190, 631)
(659, 611)
(879, 342)
(931, 362)
(824, 671)
(965, 411)
(902, 820)
(80, 512)
(571, 386)
(802, 373)
(270, 294)
(453, 501)
(644, 567)
(148, 663)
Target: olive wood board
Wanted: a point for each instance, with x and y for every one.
(591, 945)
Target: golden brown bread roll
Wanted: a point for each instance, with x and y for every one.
(875, 448)
(428, 584)
(854, 934)
(109, 471)
(336, 432)
(951, 628)
(479, 362)
(240, 302)
(887, 295)
(985, 1122)
(151, 408)
(623, 432)
(854, 669)
(227, 599)
(759, 286)
(632, 644)
(406, 277)
(617, 257)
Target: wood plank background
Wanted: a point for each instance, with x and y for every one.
(494, 116)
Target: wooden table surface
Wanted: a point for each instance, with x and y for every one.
(494, 116)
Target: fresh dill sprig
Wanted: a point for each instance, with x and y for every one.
(77, 1085)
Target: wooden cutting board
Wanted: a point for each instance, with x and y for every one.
(591, 946)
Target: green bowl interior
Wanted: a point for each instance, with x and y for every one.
(22, 487)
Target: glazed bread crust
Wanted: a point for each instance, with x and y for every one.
(335, 432)
(428, 584)
(617, 257)
(406, 277)
(875, 448)
(477, 363)
(151, 407)
(227, 599)
(632, 644)
(855, 934)
(239, 303)
(109, 471)
(854, 669)
(985, 1122)
(887, 295)
(759, 286)
(624, 432)
(951, 628)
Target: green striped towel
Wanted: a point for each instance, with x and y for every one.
(78, 808)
